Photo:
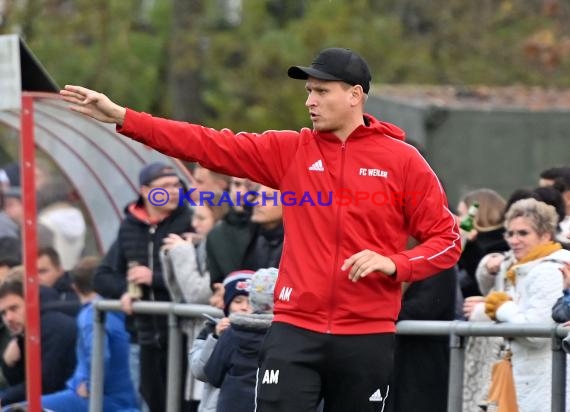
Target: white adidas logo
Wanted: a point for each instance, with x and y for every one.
(317, 166)
(376, 396)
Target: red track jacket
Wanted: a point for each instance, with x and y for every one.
(371, 192)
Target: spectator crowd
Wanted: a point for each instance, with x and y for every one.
(514, 268)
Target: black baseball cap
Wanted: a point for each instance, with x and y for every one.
(336, 64)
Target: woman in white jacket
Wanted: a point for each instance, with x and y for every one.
(525, 283)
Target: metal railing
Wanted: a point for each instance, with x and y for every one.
(456, 330)
(174, 312)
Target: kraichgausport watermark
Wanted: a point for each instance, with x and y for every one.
(341, 197)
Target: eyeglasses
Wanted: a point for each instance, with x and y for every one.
(518, 233)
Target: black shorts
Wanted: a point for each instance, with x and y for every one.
(298, 368)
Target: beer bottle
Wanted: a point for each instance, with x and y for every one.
(134, 289)
(468, 222)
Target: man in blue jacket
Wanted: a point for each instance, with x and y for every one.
(118, 390)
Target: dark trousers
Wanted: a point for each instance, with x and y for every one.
(298, 368)
(153, 364)
(153, 377)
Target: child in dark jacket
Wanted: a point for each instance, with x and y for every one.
(236, 300)
(233, 364)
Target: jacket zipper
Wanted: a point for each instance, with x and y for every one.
(150, 251)
(152, 231)
(338, 240)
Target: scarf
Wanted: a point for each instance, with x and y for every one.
(535, 253)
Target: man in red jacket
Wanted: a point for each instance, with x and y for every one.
(353, 193)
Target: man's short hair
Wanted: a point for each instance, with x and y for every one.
(215, 175)
(552, 196)
(562, 183)
(12, 285)
(82, 274)
(51, 253)
(553, 173)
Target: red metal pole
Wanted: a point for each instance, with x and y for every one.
(30, 247)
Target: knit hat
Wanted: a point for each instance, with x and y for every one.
(236, 284)
(155, 171)
(261, 290)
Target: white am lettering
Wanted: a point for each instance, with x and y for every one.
(285, 294)
(270, 376)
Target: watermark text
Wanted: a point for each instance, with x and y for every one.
(341, 197)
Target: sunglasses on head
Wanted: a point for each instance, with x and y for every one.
(518, 233)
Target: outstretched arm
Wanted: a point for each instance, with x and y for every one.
(263, 158)
(93, 104)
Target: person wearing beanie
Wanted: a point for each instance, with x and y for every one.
(236, 301)
(236, 284)
(232, 367)
(261, 291)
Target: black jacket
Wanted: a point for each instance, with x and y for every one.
(111, 285)
(422, 362)
(265, 248)
(138, 241)
(68, 300)
(237, 243)
(58, 335)
(233, 364)
(227, 244)
(474, 251)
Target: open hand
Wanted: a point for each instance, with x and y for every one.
(93, 104)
